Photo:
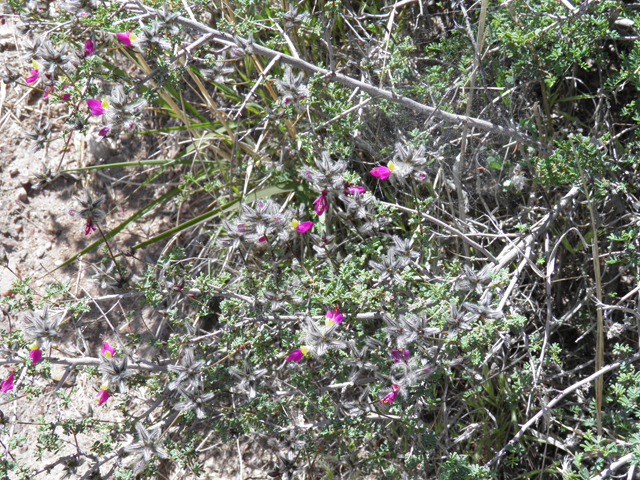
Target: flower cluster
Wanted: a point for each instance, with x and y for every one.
(119, 114)
(264, 223)
(405, 163)
(291, 88)
(89, 210)
(326, 180)
(319, 339)
(40, 330)
(114, 372)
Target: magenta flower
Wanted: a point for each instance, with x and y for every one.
(32, 77)
(35, 353)
(7, 384)
(104, 131)
(88, 47)
(127, 37)
(383, 172)
(97, 107)
(333, 316)
(296, 355)
(66, 96)
(321, 204)
(262, 239)
(107, 350)
(351, 188)
(400, 356)
(103, 394)
(89, 227)
(391, 396)
(301, 227)
(47, 90)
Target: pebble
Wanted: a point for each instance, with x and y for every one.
(13, 172)
(58, 263)
(22, 197)
(40, 252)
(48, 246)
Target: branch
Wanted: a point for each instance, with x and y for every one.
(227, 39)
(556, 400)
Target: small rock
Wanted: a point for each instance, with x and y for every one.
(57, 263)
(18, 228)
(48, 246)
(13, 172)
(40, 252)
(22, 196)
(9, 244)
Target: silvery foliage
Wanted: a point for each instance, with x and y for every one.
(121, 113)
(39, 134)
(53, 57)
(148, 446)
(88, 208)
(389, 268)
(291, 88)
(248, 378)
(194, 401)
(80, 7)
(189, 372)
(483, 308)
(219, 71)
(361, 366)
(42, 327)
(114, 371)
(319, 338)
(406, 161)
(361, 406)
(327, 176)
(472, 281)
(151, 38)
(167, 20)
(459, 320)
(415, 328)
(292, 18)
(261, 225)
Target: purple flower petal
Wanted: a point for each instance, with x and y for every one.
(95, 106)
(320, 204)
(104, 131)
(124, 37)
(304, 226)
(381, 172)
(391, 396)
(33, 76)
(88, 47)
(295, 355)
(107, 350)
(103, 394)
(7, 384)
(35, 355)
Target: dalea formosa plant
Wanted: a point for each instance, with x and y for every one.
(361, 240)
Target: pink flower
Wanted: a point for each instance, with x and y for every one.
(127, 37)
(400, 356)
(333, 316)
(391, 396)
(89, 227)
(66, 96)
(355, 188)
(321, 204)
(262, 239)
(7, 384)
(48, 89)
(301, 227)
(104, 131)
(96, 106)
(35, 354)
(33, 76)
(107, 350)
(88, 47)
(296, 355)
(103, 394)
